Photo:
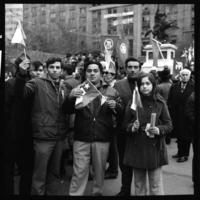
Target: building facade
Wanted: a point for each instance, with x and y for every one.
(81, 25)
(13, 13)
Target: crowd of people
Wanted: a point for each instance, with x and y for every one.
(45, 129)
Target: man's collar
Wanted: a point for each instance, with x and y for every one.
(55, 81)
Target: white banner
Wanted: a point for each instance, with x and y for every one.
(118, 14)
(124, 21)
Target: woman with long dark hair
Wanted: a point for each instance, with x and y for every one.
(146, 148)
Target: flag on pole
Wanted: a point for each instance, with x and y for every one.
(89, 94)
(156, 49)
(136, 101)
(190, 53)
(103, 99)
(19, 35)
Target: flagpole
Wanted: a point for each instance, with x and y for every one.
(159, 49)
(136, 106)
(25, 53)
(95, 87)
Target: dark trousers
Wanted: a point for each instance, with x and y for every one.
(47, 160)
(183, 147)
(20, 153)
(113, 155)
(127, 172)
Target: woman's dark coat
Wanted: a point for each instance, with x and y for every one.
(141, 151)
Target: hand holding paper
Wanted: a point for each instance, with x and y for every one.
(154, 130)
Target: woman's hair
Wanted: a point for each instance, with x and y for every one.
(151, 78)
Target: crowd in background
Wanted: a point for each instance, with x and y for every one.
(44, 131)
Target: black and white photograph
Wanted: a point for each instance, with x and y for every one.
(99, 100)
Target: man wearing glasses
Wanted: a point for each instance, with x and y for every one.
(109, 76)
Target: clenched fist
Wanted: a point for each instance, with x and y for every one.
(76, 92)
(136, 125)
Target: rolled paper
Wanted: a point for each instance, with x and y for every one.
(153, 119)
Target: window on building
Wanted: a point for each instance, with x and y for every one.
(193, 36)
(128, 9)
(172, 55)
(72, 23)
(82, 24)
(83, 12)
(146, 22)
(25, 18)
(72, 17)
(25, 10)
(146, 11)
(43, 20)
(192, 22)
(62, 15)
(130, 47)
(53, 16)
(128, 29)
(112, 29)
(112, 10)
(33, 11)
(150, 55)
(43, 7)
(96, 22)
(96, 45)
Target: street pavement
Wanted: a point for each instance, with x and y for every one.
(177, 178)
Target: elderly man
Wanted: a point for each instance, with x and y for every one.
(178, 96)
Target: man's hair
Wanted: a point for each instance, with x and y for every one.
(185, 70)
(68, 68)
(132, 59)
(52, 60)
(86, 64)
(36, 64)
(68, 55)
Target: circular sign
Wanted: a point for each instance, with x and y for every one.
(123, 48)
(108, 44)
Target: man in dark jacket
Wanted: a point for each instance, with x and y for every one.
(48, 120)
(17, 145)
(125, 88)
(93, 126)
(178, 96)
(190, 117)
